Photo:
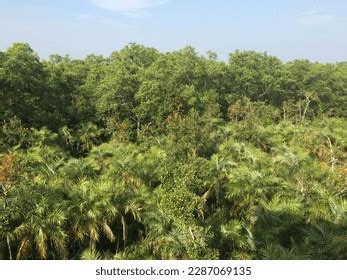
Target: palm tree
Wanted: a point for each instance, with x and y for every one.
(91, 213)
(42, 216)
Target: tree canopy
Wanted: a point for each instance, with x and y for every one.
(151, 155)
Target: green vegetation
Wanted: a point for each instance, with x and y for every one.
(149, 155)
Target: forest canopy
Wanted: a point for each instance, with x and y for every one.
(152, 155)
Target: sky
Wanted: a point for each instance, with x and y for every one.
(288, 29)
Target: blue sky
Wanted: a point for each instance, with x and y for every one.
(291, 29)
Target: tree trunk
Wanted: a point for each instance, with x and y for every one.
(308, 101)
(9, 247)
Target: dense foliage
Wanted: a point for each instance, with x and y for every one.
(149, 155)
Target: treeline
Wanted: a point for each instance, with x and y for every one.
(150, 155)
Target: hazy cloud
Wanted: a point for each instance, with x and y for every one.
(316, 18)
(130, 7)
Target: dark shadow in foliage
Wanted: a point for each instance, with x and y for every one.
(285, 235)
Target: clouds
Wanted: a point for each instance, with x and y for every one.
(313, 18)
(128, 6)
